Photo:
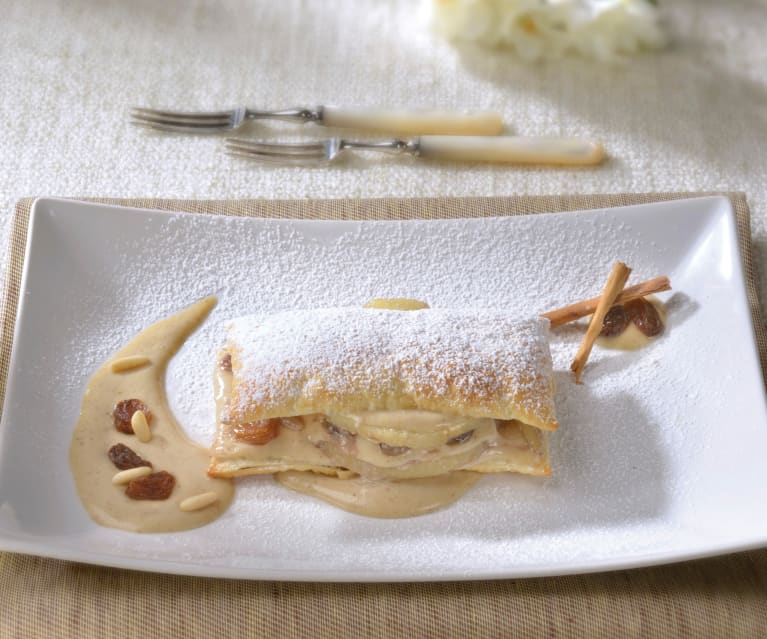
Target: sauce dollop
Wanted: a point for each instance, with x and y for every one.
(169, 450)
(633, 325)
(383, 498)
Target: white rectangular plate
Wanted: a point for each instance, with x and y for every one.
(659, 457)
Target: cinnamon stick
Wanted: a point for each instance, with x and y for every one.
(583, 308)
(613, 287)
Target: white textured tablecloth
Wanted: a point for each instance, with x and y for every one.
(693, 117)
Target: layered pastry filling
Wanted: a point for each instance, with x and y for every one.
(384, 395)
(378, 444)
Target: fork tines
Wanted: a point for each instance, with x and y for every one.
(277, 152)
(189, 121)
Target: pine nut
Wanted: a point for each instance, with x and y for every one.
(140, 427)
(198, 502)
(129, 363)
(124, 476)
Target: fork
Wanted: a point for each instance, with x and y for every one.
(523, 150)
(395, 121)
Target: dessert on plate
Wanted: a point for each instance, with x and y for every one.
(382, 396)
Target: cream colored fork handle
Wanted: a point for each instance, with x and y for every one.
(414, 122)
(522, 150)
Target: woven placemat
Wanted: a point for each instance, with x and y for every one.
(724, 596)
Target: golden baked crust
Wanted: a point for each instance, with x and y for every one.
(471, 363)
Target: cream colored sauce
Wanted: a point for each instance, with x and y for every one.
(414, 428)
(385, 498)
(169, 449)
(415, 483)
(632, 338)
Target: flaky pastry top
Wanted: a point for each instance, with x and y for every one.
(470, 362)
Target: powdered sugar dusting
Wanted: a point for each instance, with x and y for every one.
(482, 361)
(274, 266)
(645, 447)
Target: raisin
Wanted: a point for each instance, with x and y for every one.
(339, 433)
(460, 439)
(124, 458)
(226, 363)
(123, 412)
(645, 317)
(392, 451)
(155, 486)
(257, 433)
(615, 322)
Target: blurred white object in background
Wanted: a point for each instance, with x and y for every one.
(534, 29)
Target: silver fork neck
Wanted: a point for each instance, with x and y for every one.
(395, 147)
(298, 114)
